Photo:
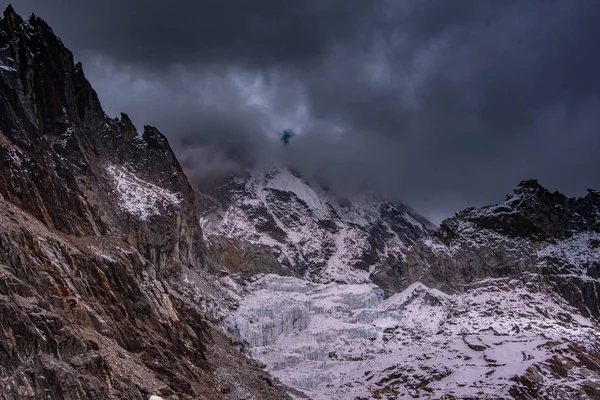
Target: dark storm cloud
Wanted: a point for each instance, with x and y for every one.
(159, 33)
(444, 104)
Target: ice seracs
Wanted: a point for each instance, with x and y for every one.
(280, 305)
(338, 341)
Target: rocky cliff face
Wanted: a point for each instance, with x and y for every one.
(311, 232)
(98, 227)
(77, 170)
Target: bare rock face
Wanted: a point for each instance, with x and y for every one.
(242, 259)
(90, 312)
(97, 222)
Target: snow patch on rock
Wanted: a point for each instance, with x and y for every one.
(140, 198)
(7, 68)
(582, 249)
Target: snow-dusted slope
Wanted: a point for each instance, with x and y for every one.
(312, 232)
(499, 339)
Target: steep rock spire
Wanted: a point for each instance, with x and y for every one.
(52, 89)
(59, 147)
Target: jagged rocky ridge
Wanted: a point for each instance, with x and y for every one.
(98, 229)
(312, 232)
(532, 231)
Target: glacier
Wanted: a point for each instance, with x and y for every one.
(345, 341)
(280, 305)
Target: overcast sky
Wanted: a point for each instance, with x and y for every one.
(442, 104)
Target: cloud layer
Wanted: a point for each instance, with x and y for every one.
(442, 104)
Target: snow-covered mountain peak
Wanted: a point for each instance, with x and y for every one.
(310, 230)
(286, 181)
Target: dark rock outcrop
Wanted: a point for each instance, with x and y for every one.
(534, 213)
(58, 151)
(245, 260)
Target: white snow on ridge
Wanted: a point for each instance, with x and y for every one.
(140, 198)
(348, 245)
(7, 68)
(361, 211)
(578, 250)
(413, 221)
(344, 341)
(287, 182)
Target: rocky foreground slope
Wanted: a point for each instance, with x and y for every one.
(97, 225)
